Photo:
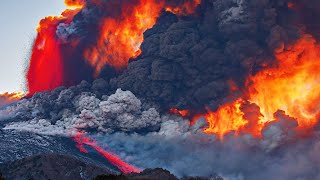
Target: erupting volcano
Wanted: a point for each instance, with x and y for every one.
(69, 49)
(194, 86)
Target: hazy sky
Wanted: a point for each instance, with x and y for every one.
(18, 22)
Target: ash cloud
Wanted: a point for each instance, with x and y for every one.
(186, 62)
(123, 124)
(64, 112)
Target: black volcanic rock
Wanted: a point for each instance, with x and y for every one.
(153, 174)
(51, 166)
(15, 145)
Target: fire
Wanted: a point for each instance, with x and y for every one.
(82, 140)
(75, 4)
(13, 96)
(292, 85)
(46, 63)
(121, 36)
(182, 113)
(45, 71)
(117, 39)
(187, 8)
(7, 98)
(227, 118)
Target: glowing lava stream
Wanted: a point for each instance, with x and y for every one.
(124, 167)
(291, 85)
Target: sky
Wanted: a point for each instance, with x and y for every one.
(18, 22)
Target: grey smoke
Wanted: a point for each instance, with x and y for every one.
(147, 140)
(186, 62)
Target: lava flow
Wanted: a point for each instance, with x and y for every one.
(291, 85)
(124, 167)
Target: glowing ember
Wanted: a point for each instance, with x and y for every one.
(183, 113)
(124, 167)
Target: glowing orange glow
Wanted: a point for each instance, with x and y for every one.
(291, 85)
(121, 37)
(226, 119)
(291, 5)
(75, 4)
(183, 113)
(188, 7)
(124, 167)
(13, 96)
(7, 98)
(46, 64)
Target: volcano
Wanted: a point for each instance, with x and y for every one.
(208, 88)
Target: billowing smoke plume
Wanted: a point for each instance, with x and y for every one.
(121, 123)
(250, 66)
(188, 63)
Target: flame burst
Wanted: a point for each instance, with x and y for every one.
(119, 36)
(292, 85)
(188, 7)
(46, 63)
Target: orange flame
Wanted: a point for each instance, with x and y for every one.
(13, 96)
(182, 113)
(7, 98)
(121, 37)
(292, 85)
(187, 8)
(75, 4)
(67, 15)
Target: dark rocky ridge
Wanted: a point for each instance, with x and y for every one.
(51, 166)
(16, 145)
(63, 167)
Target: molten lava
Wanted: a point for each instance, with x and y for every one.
(124, 167)
(112, 41)
(7, 98)
(46, 64)
(291, 85)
